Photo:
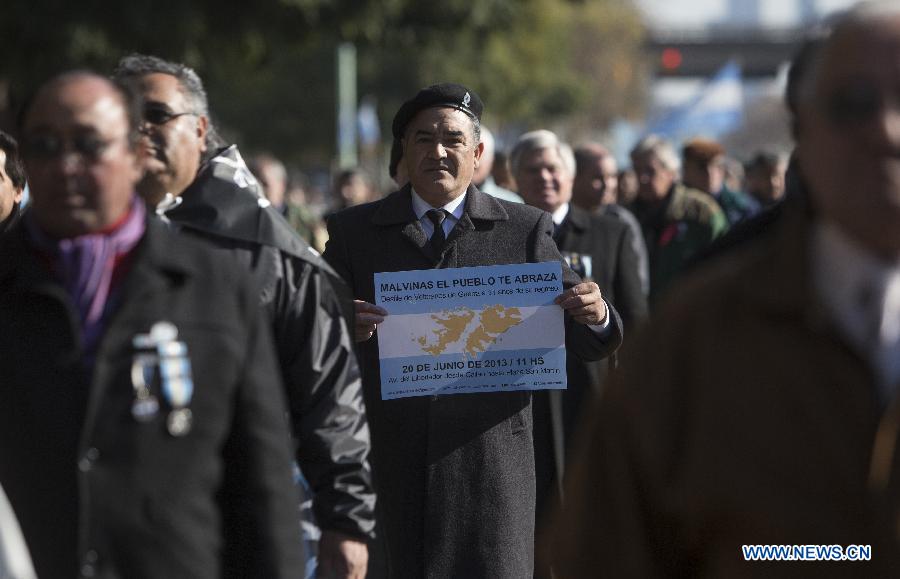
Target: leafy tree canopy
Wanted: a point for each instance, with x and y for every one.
(269, 65)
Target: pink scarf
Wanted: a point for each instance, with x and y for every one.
(85, 265)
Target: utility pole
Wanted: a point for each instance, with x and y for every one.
(346, 105)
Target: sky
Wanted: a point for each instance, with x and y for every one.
(692, 14)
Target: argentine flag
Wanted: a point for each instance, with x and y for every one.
(716, 111)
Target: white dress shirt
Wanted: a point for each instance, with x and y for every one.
(560, 214)
(861, 293)
(454, 211)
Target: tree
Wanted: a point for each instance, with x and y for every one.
(269, 66)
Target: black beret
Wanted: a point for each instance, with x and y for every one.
(446, 94)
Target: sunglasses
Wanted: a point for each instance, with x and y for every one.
(47, 147)
(156, 115)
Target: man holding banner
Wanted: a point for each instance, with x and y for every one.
(455, 473)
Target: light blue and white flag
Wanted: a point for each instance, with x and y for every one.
(717, 110)
(367, 125)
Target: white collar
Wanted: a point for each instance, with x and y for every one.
(560, 214)
(861, 292)
(454, 208)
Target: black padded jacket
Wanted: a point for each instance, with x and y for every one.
(311, 310)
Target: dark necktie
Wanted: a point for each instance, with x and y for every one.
(438, 239)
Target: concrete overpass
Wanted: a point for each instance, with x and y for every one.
(695, 54)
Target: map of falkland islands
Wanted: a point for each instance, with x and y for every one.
(452, 326)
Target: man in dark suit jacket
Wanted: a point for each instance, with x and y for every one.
(142, 429)
(544, 167)
(455, 474)
(594, 189)
(598, 247)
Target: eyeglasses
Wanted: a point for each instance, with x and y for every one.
(156, 115)
(47, 147)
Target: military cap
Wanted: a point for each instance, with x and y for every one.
(446, 94)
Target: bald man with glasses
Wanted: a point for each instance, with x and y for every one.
(141, 428)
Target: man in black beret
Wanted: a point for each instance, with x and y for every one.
(455, 474)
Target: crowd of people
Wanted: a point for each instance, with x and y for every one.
(190, 352)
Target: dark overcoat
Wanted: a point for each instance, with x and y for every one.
(615, 267)
(742, 416)
(614, 262)
(454, 474)
(99, 493)
(304, 298)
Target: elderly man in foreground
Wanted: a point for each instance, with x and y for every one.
(761, 409)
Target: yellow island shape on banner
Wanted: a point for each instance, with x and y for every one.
(493, 321)
(471, 330)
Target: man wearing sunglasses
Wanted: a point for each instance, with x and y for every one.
(206, 190)
(12, 182)
(761, 407)
(141, 423)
